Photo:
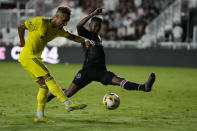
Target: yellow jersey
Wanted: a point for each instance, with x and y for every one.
(40, 33)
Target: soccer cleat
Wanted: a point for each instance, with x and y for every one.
(51, 96)
(43, 120)
(149, 83)
(75, 107)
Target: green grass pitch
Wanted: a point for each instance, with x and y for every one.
(172, 104)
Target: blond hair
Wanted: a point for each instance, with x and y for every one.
(64, 10)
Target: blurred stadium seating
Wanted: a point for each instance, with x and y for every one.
(127, 23)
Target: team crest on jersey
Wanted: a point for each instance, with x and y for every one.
(78, 75)
(30, 23)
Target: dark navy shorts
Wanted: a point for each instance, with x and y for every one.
(86, 76)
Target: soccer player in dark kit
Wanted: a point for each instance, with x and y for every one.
(94, 68)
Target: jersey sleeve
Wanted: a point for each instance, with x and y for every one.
(83, 32)
(63, 33)
(33, 24)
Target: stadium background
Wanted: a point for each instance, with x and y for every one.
(156, 35)
(147, 27)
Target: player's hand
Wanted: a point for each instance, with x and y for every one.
(98, 11)
(89, 43)
(21, 44)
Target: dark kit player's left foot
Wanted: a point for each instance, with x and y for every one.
(148, 85)
(51, 96)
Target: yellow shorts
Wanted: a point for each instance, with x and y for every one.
(35, 67)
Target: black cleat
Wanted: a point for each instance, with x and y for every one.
(51, 96)
(149, 83)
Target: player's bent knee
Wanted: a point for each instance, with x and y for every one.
(41, 81)
(117, 80)
(48, 77)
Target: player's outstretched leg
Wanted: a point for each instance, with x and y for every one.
(128, 85)
(73, 89)
(56, 90)
(149, 83)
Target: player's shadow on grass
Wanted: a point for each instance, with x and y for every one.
(94, 121)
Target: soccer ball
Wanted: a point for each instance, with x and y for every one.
(111, 101)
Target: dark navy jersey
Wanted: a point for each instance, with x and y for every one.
(94, 55)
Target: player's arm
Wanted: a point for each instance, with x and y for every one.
(79, 39)
(21, 33)
(76, 38)
(84, 20)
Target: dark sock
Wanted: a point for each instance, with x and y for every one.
(131, 86)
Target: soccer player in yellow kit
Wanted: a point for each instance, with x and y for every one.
(41, 31)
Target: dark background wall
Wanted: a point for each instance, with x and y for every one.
(155, 57)
(122, 56)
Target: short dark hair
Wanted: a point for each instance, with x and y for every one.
(64, 10)
(97, 19)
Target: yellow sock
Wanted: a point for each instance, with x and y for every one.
(42, 98)
(55, 89)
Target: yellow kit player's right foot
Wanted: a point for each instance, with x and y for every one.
(74, 106)
(43, 120)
